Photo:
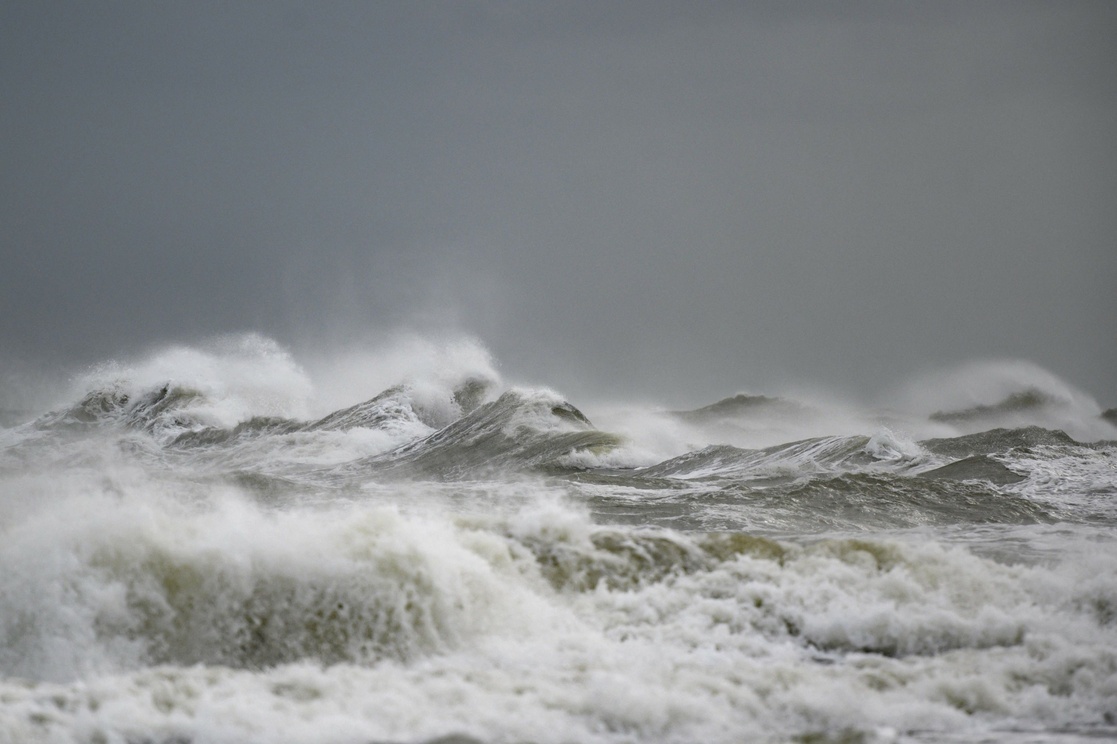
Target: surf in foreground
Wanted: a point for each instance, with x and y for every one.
(194, 549)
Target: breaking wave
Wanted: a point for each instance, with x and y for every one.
(202, 546)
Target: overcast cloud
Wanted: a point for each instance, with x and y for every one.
(646, 199)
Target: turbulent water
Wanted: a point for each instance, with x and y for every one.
(222, 545)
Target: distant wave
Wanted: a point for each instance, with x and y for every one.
(740, 405)
(1007, 394)
(454, 431)
(1024, 401)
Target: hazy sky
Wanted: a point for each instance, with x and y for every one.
(672, 199)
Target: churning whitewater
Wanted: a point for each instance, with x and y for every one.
(223, 544)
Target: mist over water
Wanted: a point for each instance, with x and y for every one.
(227, 542)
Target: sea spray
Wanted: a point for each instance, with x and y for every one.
(195, 548)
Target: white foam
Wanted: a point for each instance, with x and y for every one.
(755, 648)
(1079, 481)
(887, 446)
(101, 582)
(238, 377)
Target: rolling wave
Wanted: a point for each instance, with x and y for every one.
(522, 430)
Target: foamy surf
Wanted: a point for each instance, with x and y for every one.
(194, 551)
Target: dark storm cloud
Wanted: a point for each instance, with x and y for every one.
(640, 197)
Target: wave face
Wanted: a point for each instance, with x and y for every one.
(214, 544)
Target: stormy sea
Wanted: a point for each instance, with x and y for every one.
(229, 543)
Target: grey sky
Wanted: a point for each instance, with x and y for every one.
(666, 199)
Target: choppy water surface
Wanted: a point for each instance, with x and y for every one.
(190, 551)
